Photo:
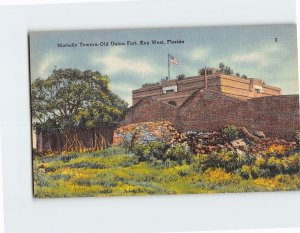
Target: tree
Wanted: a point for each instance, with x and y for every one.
(180, 76)
(228, 70)
(225, 69)
(221, 66)
(70, 99)
(206, 70)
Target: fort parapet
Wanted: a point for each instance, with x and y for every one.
(175, 92)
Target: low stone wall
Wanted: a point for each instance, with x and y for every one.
(242, 141)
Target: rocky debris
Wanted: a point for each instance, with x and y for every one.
(259, 134)
(240, 152)
(249, 135)
(145, 132)
(199, 142)
(266, 143)
(238, 143)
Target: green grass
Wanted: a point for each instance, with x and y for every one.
(115, 172)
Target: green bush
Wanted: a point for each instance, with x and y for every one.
(230, 132)
(179, 152)
(227, 160)
(271, 167)
(150, 151)
(200, 162)
(293, 164)
(276, 165)
(253, 172)
(285, 165)
(245, 171)
(159, 151)
(248, 166)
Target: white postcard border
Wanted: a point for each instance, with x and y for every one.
(24, 214)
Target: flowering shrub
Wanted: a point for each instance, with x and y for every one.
(248, 166)
(261, 162)
(279, 150)
(266, 183)
(218, 176)
(271, 166)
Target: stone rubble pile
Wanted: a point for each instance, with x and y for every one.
(145, 132)
(199, 142)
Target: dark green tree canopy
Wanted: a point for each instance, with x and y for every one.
(225, 69)
(70, 99)
(180, 76)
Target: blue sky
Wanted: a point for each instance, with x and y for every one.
(249, 50)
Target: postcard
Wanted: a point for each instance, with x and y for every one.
(165, 111)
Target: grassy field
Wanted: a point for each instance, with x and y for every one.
(115, 172)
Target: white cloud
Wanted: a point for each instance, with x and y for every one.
(251, 58)
(46, 65)
(198, 53)
(124, 91)
(115, 62)
(262, 56)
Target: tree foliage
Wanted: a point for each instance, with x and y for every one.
(206, 70)
(180, 76)
(69, 99)
(225, 69)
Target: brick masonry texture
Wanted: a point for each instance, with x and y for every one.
(209, 110)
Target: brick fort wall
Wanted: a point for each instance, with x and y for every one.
(209, 110)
